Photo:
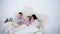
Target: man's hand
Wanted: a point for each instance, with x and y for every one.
(15, 24)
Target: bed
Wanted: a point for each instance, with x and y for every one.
(8, 28)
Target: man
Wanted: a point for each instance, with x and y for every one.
(19, 19)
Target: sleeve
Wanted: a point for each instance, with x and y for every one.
(36, 23)
(14, 19)
(23, 20)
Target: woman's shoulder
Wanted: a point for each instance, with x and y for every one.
(36, 20)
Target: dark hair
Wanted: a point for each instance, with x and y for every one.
(20, 13)
(29, 18)
(34, 16)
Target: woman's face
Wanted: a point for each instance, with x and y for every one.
(32, 19)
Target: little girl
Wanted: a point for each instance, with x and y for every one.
(27, 20)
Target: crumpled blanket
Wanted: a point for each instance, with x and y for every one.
(26, 29)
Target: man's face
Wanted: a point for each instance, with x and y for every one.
(19, 15)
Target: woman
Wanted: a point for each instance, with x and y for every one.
(34, 20)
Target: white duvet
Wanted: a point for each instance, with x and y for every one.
(23, 29)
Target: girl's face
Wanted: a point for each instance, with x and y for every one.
(27, 19)
(32, 19)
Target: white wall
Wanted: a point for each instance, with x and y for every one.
(46, 7)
